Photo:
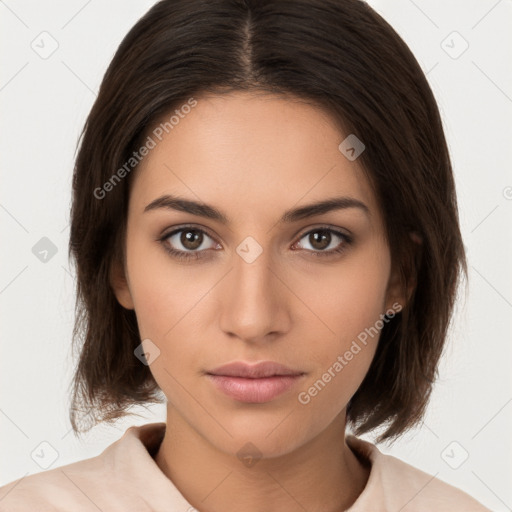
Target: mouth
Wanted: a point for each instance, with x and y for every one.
(254, 383)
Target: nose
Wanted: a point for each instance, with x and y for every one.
(255, 300)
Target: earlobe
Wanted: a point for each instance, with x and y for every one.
(396, 298)
(119, 285)
(398, 290)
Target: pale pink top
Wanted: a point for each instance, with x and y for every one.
(125, 478)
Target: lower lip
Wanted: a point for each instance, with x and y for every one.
(254, 390)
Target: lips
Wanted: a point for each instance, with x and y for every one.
(254, 371)
(254, 383)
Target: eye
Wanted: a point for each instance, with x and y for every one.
(190, 242)
(322, 238)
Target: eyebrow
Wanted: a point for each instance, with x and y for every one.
(170, 202)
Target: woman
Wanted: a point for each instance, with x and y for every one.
(265, 231)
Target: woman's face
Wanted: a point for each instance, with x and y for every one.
(258, 285)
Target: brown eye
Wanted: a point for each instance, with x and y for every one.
(321, 239)
(186, 242)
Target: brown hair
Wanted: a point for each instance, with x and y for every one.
(337, 54)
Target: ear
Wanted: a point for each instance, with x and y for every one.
(120, 286)
(397, 292)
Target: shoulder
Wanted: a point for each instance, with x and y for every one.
(70, 487)
(108, 481)
(400, 486)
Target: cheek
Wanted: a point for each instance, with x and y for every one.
(350, 298)
(163, 292)
(341, 360)
(350, 301)
(170, 303)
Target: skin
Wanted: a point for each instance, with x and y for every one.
(253, 156)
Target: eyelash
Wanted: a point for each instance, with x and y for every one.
(195, 255)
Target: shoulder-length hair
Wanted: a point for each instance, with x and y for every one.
(337, 54)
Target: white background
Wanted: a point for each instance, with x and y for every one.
(44, 103)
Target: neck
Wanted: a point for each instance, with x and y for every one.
(321, 475)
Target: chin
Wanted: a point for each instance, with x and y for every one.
(267, 435)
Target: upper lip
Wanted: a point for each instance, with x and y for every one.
(254, 371)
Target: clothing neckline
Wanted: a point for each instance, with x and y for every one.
(151, 435)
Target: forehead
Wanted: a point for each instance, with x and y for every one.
(251, 153)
